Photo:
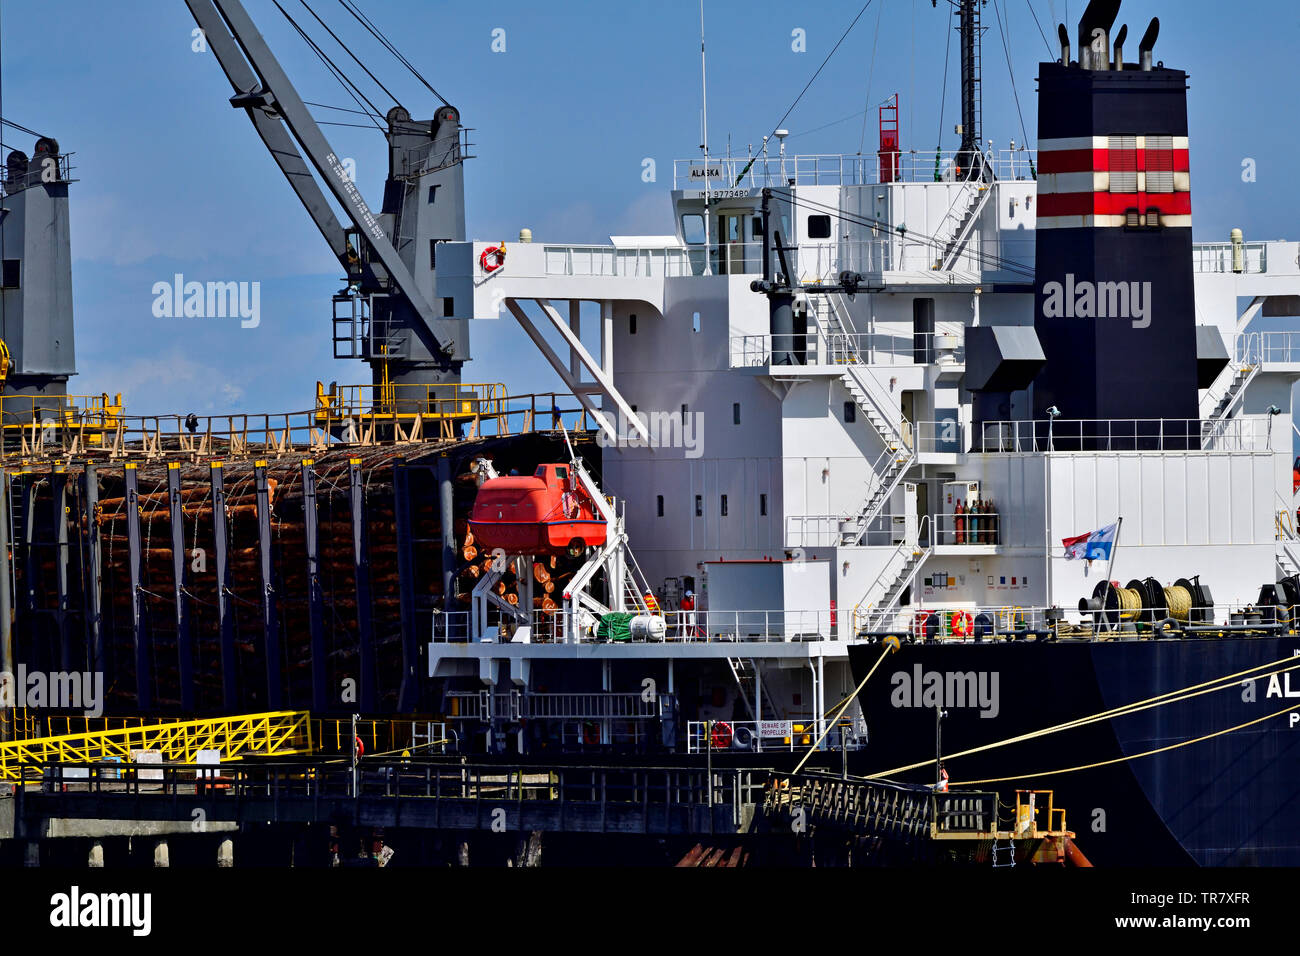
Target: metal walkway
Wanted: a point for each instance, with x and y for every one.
(275, 734)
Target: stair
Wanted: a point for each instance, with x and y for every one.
(888, 469)
(1213, 425)
(961, 230)
(879, 606)
(841, 341)
(742, 670)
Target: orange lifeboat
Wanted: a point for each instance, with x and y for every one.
(547, 513)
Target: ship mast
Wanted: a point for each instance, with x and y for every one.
(970, 157)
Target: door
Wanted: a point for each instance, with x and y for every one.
(731, 244)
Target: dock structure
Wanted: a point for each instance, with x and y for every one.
(771, 814)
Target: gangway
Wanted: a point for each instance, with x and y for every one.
(271, 734)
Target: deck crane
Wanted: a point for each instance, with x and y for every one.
(387, 315)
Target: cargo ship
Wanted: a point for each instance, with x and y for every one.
(991, 418)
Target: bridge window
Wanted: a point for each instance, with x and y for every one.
(762, 504)
(659, 505)
(699, 506)
(756, 227)
(724, 506)
(693, 229)
(735, 413)
(819, 227)
(695, 322)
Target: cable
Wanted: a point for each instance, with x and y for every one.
(1015, 93)
(1170, 697)
(871, 71)
(1030, 4)
(845, 34)
(1115, 760)
(341, 109)
(891, 645)
(932, 241)
(348, 86)
(351, 7)
(349, 52)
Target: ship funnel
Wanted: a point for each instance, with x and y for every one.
(1094, 34)
(1064, 34)
(1119, 47)
(1148, 42)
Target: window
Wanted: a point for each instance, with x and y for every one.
(735, 413)
(695, 322)
(433, 190)
(433, 253)
(850, 412)
(756, 227)
(561, 473)
(693, 229)
(762, 505)
(448, 307)
(659, 505)
(819, 227)
(699, 506)
(11, 273)
(631, 324)
(724, 506)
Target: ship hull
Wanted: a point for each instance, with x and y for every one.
(1229, 800)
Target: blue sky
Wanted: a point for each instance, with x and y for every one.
(172, 179)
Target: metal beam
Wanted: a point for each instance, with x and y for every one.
(408, 695)
(93, 573)
(270, 618)
(447, 523)
(59, 520)
(361, 575)
(139, 633)
(315, 599)
(29, 535)
(225, 615)
(6, 579)
(184, 647)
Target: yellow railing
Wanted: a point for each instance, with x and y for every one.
(277, 733)
(396, 401)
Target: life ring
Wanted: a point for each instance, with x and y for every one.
(590, 733)
(361, 747)
(962, 624)
(720, 738)
(492, 258)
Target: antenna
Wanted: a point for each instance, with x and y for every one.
(704, 108)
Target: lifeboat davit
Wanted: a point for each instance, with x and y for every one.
(546, 513)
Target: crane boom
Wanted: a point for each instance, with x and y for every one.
(284, 124)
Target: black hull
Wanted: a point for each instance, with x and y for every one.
(1233, 800)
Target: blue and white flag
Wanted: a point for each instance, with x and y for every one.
(1095, 545)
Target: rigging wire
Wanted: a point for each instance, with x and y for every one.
(842, 38)
(348, 86)
(932, 241)
(348, 51)
(351, 7)
(871, 71)
(943, 97)
(1006, 51)
(1033, 14)
(341, 109)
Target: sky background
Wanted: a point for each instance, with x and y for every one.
(172, 179)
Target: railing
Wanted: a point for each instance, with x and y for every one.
(593, 260)
(37, 172)
(850, 348)
(516, 705)
(1218, 257)
(1245, 434)
(830, 169)
(94, 430)
(1256, 348)
(769, 735)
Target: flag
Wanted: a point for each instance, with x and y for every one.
(1091, 546)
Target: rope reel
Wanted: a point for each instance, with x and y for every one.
(1146, 603)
